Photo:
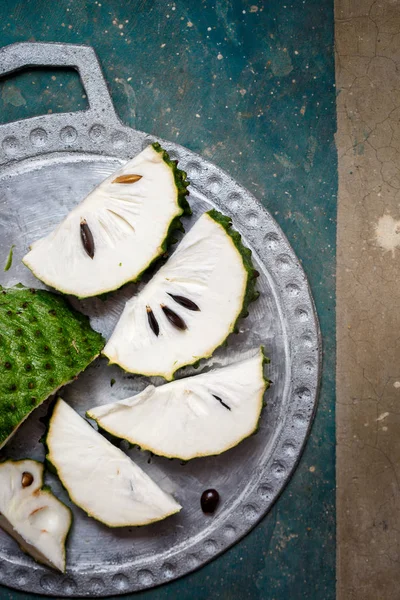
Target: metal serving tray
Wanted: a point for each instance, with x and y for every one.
(47, 165)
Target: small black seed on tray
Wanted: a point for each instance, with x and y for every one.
(209, 501)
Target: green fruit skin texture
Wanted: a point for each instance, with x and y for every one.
(180, 177)
(44, 344)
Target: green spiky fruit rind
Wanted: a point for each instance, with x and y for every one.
(251, 293)
(45, 489)
(44, 344)
(181, 183)
(180, 177)
(266, 361)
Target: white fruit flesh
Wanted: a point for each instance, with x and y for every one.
(129, 223)
(35, 518)
(99, 477)
(207, 269)
(197, 416)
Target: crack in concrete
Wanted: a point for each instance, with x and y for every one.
(368, 294)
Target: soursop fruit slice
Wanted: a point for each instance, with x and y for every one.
(99, 477)
(196, 416)
(31, 514)
(44, 344)
(190, 306)
(117, 231)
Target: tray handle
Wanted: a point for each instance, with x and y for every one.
(82, 58)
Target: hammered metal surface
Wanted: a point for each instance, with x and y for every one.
(48, 164)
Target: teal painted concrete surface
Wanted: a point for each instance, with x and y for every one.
(250, 86)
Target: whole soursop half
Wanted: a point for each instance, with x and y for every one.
(31, 514)
(100, 478)
(196, 416)
(117, 231)
(191, 304)
(44, 344)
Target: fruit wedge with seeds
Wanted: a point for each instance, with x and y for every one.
(190, 306)
(196, 416)
(44, 344)
(31, 514)
(99, 477)
(117, 231)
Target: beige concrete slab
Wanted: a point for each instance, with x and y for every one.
(368, 299)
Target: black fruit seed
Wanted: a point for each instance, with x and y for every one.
(87, 239)
(173, 318)
(209, 501)
(152, 321)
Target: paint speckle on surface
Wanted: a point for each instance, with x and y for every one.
(219, 56)
(396, 384)
(281, 64)
(387, 233)
(229, 26)
(285, 161)
(312, 469)
(310, 153)
(130, 97)
(12, 95)
(383, 416)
